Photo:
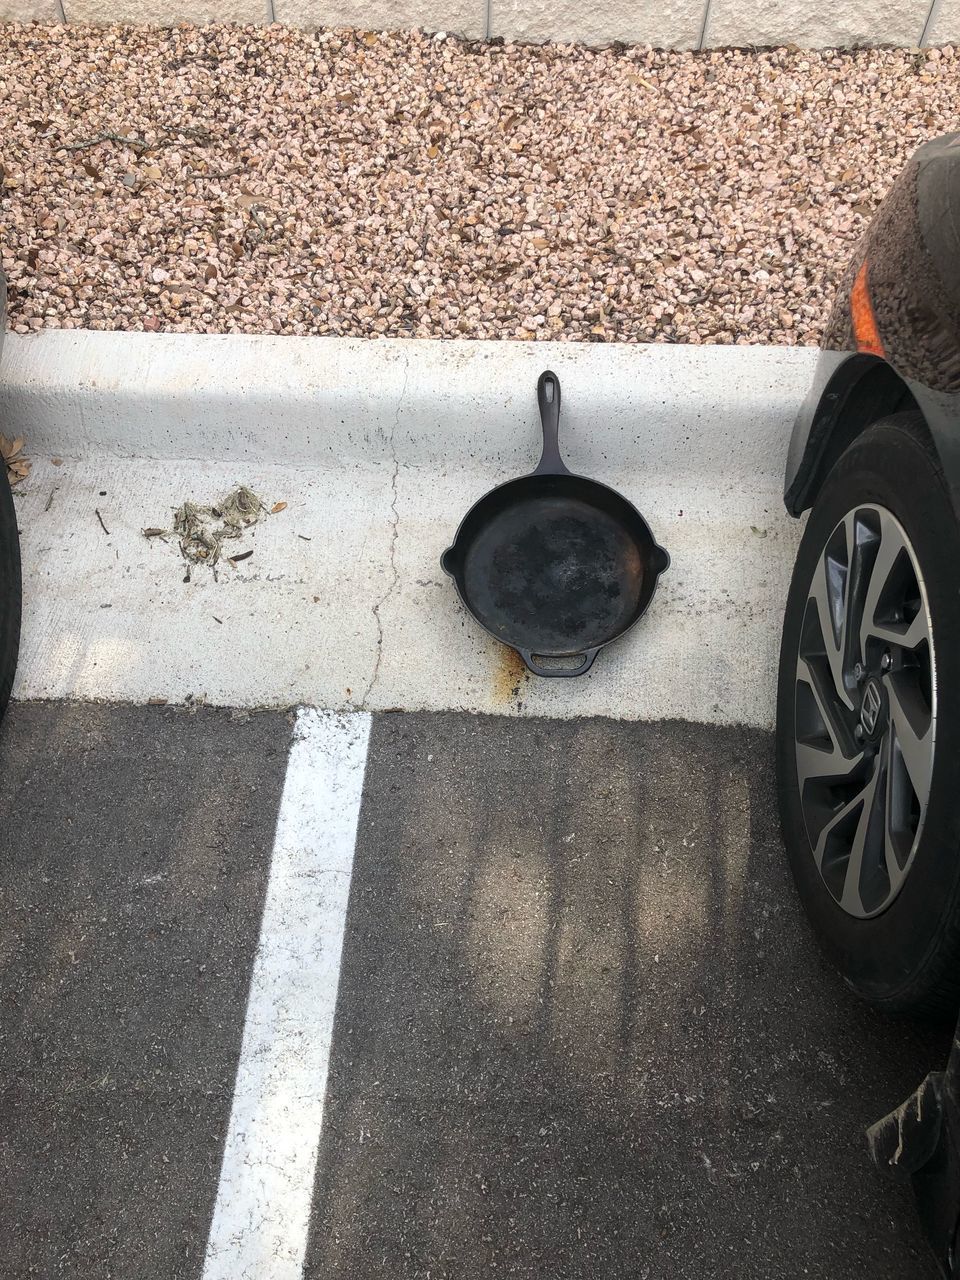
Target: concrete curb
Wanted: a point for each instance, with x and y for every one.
(323, 401)
(378, 448)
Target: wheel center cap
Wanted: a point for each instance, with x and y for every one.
(873, 708)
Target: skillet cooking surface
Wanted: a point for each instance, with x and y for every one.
(553, 574)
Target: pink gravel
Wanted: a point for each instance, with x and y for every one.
(279, 181)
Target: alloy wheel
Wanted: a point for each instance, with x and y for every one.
(865, 710)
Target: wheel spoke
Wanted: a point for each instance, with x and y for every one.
(817, 763)
(851, 900)
(907, 636)
(891, 544)
(896, 873)
(829, 590)
(912, 732)
(864, 798)
(836, 760)
(891, 861)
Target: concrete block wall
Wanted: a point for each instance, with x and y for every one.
(679, 24)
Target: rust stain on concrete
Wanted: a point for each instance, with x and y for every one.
(510, 674)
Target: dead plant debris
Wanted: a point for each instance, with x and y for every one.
(202, 530)
(18, 466)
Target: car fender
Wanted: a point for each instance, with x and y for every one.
(892, 341)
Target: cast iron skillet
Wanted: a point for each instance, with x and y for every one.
(554, 564)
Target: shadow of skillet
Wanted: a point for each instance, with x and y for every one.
(134, 852)
(582, 1029)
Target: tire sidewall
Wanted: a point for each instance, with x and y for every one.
(10, 590)
(898, 957)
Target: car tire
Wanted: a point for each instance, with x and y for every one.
(869, 793)
(10, 590)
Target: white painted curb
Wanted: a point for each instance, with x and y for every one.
(311, 401)
(378, 447)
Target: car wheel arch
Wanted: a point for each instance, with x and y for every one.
(861, 392)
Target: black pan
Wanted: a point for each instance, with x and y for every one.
(553, 564)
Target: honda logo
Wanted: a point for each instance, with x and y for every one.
(870, 707)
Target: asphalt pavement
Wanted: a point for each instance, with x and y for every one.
(581, 1031)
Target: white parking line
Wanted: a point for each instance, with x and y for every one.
(262, 1213)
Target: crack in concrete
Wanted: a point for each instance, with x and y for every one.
(394, 532)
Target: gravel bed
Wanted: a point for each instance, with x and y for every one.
(243, 179)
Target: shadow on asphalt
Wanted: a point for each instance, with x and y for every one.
(134, 851)
(583, 1030)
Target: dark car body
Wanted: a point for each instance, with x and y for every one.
(892, 343)
(893, 338)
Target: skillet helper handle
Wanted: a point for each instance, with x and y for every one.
(548, 398)
(584, 663)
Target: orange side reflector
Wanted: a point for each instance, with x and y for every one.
(865, 329)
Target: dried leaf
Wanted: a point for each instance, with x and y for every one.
(244, 555)
(18, 468)
(91, 171)
(370, 39)
(209, 272)
(278, 506)
(433, 152)
(151, 171)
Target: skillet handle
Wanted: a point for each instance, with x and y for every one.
(548, 398)
(585, 663)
